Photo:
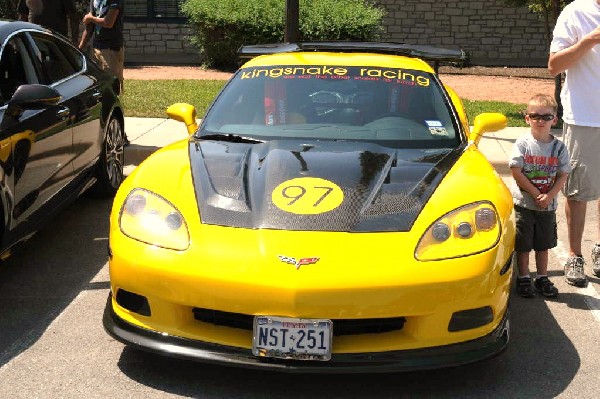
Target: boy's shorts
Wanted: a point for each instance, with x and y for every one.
(583, 143)
(535, 230)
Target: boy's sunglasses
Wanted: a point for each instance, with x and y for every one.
(537, 117)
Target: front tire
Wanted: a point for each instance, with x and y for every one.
(109, 170)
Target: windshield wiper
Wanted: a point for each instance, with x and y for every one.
(232, 138)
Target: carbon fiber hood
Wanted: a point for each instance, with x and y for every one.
(384, 189)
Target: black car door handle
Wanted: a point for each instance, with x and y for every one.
(63, 113)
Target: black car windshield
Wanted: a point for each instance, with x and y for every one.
(392, 107)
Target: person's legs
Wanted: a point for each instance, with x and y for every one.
(583, 185)
(523, 245)
(523, 286)
(542, 284)
(541, 263)
(596, 248)
(575, 212)
(544, 237)
(523, 264)
(111, 60)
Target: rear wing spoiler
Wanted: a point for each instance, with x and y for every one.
(436, 55)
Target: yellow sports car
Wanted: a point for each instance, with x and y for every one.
(331, 213)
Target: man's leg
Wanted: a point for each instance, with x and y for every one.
(575, 212)
(596, 248)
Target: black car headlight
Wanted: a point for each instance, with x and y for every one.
(464, 231)
(150, 218)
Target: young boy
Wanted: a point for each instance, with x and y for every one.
(540, 165)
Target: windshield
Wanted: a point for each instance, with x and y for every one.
(392, 107)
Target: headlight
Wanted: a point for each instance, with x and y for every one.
(465, 231)
(149, 218)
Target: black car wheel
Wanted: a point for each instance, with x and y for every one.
(109, 173)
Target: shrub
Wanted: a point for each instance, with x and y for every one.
(222, 26)
(8, 9)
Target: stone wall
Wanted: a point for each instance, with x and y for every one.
(491, 32)
(158, 42)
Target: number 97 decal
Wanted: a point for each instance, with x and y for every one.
(307, 196)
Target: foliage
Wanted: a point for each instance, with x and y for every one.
(8, 9)
(222, 26)
(150, 98)
(549, 11)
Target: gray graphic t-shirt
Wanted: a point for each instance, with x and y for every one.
(541, 162)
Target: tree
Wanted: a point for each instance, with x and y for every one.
(549, 10)
(8, 9)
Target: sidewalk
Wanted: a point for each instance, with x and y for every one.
(149, 134)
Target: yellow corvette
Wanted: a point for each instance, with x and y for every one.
(331, 213)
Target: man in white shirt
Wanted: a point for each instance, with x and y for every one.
(575, 50)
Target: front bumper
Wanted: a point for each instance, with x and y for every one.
(373, 362)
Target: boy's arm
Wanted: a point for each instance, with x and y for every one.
(561, 179)
(523, 182)
(544, 200)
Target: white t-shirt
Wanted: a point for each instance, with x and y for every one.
(580, 94)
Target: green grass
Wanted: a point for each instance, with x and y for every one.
(513, 112)
(150, 98)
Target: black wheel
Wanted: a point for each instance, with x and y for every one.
(109, 172)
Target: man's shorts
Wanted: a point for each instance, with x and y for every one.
(535, 230)
(111, 60)
(583, 143)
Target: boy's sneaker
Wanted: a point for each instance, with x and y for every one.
(545, 287)
(596, 260)
(524, 287)
(574, 271)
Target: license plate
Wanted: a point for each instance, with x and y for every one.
(286, 338)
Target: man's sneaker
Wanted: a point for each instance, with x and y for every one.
(596, 260)
(524, 287)
(574, 271)
(545, 287)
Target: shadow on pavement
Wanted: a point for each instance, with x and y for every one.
(540, 362)
(47, 272)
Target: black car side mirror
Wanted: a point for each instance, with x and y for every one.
(34, 96)
(30, 96)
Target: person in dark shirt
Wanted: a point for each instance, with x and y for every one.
(51, 14)
(104, 22)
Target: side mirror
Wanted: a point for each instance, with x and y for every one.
(34, 96)
(26, 97)
(185, 113)
(485, 123)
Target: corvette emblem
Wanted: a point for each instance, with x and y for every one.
(298, 262)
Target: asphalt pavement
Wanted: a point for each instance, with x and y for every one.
(53, 345)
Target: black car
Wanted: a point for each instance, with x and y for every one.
(61, 129)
